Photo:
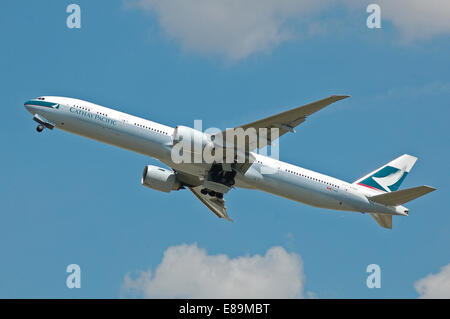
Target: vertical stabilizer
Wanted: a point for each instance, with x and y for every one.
(389, 177)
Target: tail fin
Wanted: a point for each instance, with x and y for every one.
(389, 177)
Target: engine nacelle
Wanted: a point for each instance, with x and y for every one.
(159, 178)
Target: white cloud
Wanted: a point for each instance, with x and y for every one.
(435, 285)
(231, 28)
(187, 271)
(236, 29)
(417, 19)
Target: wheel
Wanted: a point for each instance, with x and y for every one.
(212, 193)
(204, 191)
(40, 128)
(219, 195)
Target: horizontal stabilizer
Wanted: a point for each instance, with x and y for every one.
(384, 220)
(400, 197)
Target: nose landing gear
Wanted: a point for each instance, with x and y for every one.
(40, 128)
(42, 123)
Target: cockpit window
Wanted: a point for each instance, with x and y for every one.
(41, 98)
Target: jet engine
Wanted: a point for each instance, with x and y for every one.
(159, 178)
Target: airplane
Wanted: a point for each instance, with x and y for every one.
(376, 193)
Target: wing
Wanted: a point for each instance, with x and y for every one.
(285, 121)
(216, 205)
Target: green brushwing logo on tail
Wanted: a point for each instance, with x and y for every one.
(387, 179)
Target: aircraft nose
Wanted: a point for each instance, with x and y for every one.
(28, 105)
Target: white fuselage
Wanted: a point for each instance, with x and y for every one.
(156, 140)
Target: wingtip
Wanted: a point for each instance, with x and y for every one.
(340, 97)
(226, 217)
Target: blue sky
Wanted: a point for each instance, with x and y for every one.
(66, 199)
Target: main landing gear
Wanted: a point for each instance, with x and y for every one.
(204, 191)
(40, 128)
(220, 180)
